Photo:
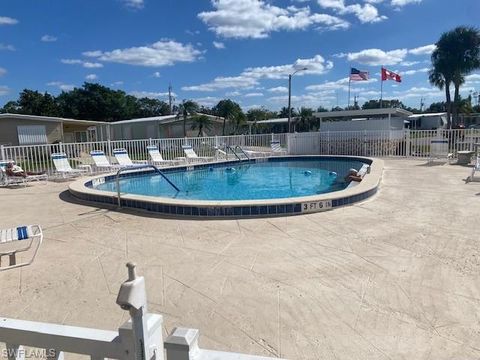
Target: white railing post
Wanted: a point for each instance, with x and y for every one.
(133, 297)
(182, 344)
(2, 153)
(407, 142)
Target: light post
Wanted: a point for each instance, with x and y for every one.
(290, 97)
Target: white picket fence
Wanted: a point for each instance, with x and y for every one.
(384, 143)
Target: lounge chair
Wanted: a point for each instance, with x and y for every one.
(476, 166)
(157, 158)
(17, 240)
(124, 160)
(101, 161)
(439, 150)
(191, 155)
(6, 180)
(276, 148)
(63, 168)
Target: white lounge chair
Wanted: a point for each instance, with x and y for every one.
(277, 148)
(101, 161)
(439, 150)
(63, 168)
(476, 166)
(191, 155)
(124, 160)
(6, 180)
(157, 158)
(17, 240)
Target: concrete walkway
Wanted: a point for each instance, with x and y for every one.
(395, 277)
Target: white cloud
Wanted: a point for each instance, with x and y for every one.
(161, 53)
(91, 77)
(48, 38)
(134, 4)
(117, 83)
(2, 71)
(4, 90)
(150, 94)
(61, 85)
(5, 20)
(207, 101)
(219, 45)
(156, 74)
(366, 13)
(341, 84)
(85, 64)
(257, 19)
(279, 89)
(7, 47)
(409, 63)
(376, 57)
(250, 77)
(416, 71)
(254, 94)
(400, 3)
(423, 50)
(233, 93)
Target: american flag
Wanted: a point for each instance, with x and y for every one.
(357, 75)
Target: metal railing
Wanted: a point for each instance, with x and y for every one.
(37, 158)
(136, 168)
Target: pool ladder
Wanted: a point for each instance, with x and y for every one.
(139, 167)
(234, 150)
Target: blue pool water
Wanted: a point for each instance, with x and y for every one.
(244, 181)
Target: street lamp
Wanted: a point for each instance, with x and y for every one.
(290, 97)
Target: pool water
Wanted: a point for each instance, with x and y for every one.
(244, 181)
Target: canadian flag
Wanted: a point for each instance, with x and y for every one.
(390, 75)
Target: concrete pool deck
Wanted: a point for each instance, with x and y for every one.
(394, 277)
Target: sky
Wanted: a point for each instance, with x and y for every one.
(244, 50)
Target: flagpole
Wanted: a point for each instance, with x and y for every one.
(381, 87)
(349, 81)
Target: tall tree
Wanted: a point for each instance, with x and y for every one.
(305, 116)
(457, 54)
(186, 108)
(201, 122)
(227, 109)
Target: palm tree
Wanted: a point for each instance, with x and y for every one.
(305, 115)
(187, 107)
(201, 122)
(457, 54)
(442, 79)
(227, 109)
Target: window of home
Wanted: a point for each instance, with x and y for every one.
(32, 134)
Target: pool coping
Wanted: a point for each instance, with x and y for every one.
(235, 208)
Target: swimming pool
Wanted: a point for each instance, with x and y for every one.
(244, 181)
(260, 187)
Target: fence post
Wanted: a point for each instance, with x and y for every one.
(407, 142)
(60, 147)
(109, 145)
(182, 344)
(133, 297)
(2, 153)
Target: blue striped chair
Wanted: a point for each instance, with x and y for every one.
(18, 240)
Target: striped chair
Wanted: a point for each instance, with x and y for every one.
(18, 240)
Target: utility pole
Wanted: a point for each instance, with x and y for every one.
(290, 97)
(421, 104)
(170, 98)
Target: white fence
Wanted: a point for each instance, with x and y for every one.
(383, 143)
(401, 143)
(140, 338)
(37, 158)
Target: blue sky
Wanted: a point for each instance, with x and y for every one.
(238, 49)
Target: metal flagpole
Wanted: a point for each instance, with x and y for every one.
(381, 87)
(349, 81)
